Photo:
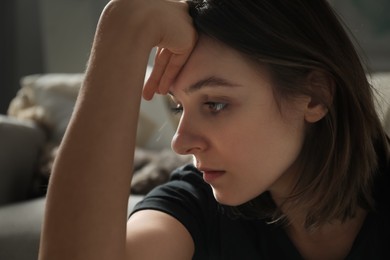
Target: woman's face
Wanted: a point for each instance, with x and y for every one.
(241, 140)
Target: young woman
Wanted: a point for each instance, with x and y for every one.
(290, 159)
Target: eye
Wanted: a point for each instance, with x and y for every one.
(177, 109)
(216, 107)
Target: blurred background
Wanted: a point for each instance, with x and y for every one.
(43, 36)
(55, 36)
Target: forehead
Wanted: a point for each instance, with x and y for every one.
(211, 58)
(207, 47)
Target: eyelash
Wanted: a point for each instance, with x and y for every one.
(214, 107)
(177, 109)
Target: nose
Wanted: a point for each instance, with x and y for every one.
(189, 138)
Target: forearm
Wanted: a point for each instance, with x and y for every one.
(89, 187)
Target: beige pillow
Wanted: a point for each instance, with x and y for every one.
(49, 99)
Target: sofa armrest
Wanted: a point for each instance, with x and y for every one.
(20, 145)
(20, 235)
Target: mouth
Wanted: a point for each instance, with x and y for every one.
(210, 175)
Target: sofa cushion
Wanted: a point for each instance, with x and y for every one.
(20, 143)
(47, 100)
(20, 228)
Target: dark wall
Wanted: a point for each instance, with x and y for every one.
(369, 22)
(7, 76)
(20, 45)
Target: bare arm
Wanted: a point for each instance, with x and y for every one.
(88, 191)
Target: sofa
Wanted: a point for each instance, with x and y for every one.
(32, 129)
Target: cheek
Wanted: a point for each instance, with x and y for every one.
(257, 154)
(272, 145)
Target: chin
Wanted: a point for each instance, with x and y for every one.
(229, 199)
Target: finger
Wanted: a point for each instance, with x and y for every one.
(172, 70)
(152, 84)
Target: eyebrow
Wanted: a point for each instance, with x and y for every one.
(211, 81)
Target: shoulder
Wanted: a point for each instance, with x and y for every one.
(153, 234)
(186, 203)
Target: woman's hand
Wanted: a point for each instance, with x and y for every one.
(165, 24)
(175, 44)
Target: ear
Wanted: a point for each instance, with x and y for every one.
(321, 86)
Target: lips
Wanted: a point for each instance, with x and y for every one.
(210, 175)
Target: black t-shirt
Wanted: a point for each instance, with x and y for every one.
(217, 236)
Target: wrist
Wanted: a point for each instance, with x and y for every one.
(130, 22)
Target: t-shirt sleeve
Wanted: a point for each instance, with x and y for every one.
(187, 198)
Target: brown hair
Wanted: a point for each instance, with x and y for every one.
(293, 38)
